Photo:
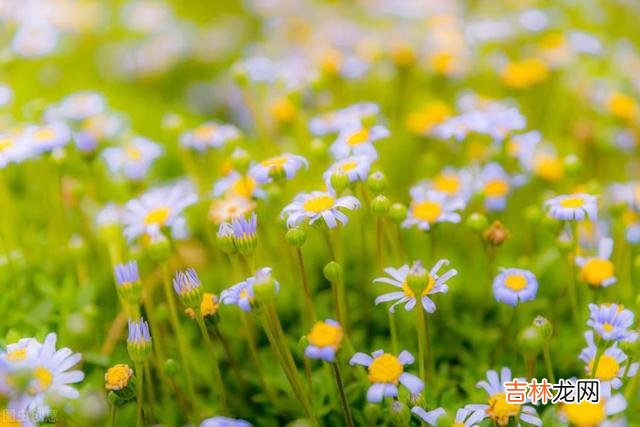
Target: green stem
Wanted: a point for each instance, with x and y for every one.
(343, 397)
(217, 376)
(139, 391)
(253, 351)
(573, 287)
(547, 363)
(421, 330)
(596, 360)
(175, 324)
(311, 312)
(393, 332)
(113, 415)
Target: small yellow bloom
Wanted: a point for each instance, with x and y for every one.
(525, 73)
(117, 377)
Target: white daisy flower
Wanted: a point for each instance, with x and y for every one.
(573, 207)
(495, 184)
(355, 168)
(586, 413)
(515, 285)
(319, 205)
(358, 140)
(598, 270)
(407, 296)
(335, 121)
(47, 137)
(456, 184)
(282, 166)
(133, 159)
(158, 209)
(430, 208)
(237, 185)
(209, 135)
(611, 367)
(497, 408)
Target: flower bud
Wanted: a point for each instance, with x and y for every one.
(158, 247)
(171, 368)
(377, 182)
(530, 340)
(418, 278)
(572, 164)
(339, 182)
(240, 160)
(188, 288)
(333, 272)
(120, 380)
(477, 222)
(265, 286)
(225, 238)
(544, 327)
(496, 234)
(400, 415)
(380, 205)
(296, 236)
(398, 212)
(245, 234)
(139, 341)
(128, 282)
(77, 246)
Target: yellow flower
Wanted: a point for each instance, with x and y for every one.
(117, 377)
(525, 73)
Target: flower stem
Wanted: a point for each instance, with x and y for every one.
(113, 411)
(249, 327)
(139, 390)
(421, 329)
(393, 332)
(548, 363)
(273, 329)
(573, 287)
(175, 324)
(305, 284)
(217, 376)
(596, 360)
(343, 397)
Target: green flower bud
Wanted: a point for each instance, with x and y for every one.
(119, 379)
(377, 182)
(240, 160)
(372, 414)
(400, 414)
(333, 272)
(159, 247)
(444, 420)
(265, 287)
(544, 327)
(530, 340)
(296, 236)
(380, 205)
(170, 368)
(564, 243)
(110, 232)
(572, 164)
(77, 246)
(477, 222)
(418, 278)
(188, 288)
(398, 212)
(339, 182)
(318, 148)
(226, 239)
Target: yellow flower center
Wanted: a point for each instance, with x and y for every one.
(319, 204)
(325, 335)
(132, 152)
(424, 119)
(117, 377)
(584, 414)
(331, 62)
(427, 211)
(608, 327)
(245, 294)
(385, 368)
(458, 425)
(596, 271)
(6, 143)
(549, 168)
(629, 217)
(17, 355)
(358, 137)
(349, 165)
(44, 378)
(283, 110)
(500, 411)
(447, 183)
(496, 188)
(157, 216)
(209, 305)
(622, 106)
(442, 62)
(244, 186)
(515, 282)
(44, 134)
(411, 294)
(275, 162)
(572, 202)
(608, 368)
(206, 131)
(525, 73)
(7, 419)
